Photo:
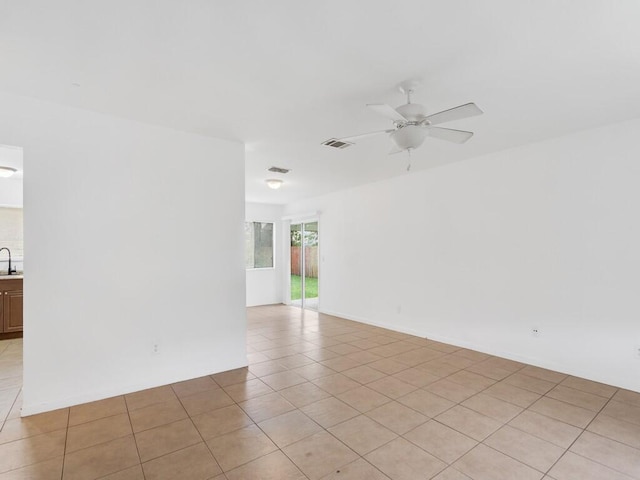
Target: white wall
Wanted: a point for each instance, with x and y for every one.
(265, 285)
(479, 252)
(109, 206)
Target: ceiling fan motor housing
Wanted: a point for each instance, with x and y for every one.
(413, 112)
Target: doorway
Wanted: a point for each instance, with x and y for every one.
(304, 264)
(11, 280)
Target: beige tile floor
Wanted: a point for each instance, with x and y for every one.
(326, 398)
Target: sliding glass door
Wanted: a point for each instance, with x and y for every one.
(304, 264)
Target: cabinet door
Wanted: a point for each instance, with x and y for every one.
(12, 311)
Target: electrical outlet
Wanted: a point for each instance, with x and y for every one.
(638, 351)
(399, 309)
(156, 349)
(535, 331)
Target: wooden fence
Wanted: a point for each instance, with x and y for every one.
(311, 261)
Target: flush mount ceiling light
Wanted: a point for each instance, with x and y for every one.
(274, 183)
(6, 172)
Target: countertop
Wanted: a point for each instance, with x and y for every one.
(13, 276)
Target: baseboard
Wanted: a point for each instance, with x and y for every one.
(367, 321)
(537, 362)
(32, 409)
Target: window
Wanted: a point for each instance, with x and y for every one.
(258, 244)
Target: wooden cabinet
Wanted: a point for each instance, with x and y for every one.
(10, 305)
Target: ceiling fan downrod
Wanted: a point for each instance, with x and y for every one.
(408, 87)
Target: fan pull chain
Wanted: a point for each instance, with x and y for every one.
(409, 165)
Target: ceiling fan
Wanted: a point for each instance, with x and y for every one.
(412, 125)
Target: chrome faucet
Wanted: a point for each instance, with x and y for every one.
(9, 270)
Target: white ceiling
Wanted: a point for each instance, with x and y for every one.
(282, 76)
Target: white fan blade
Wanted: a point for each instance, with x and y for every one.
(387, 111)
(456, 136)
(455, 113)
(364, 135)
(395, 149)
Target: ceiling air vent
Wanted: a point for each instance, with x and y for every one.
(279, 170)
(335, 143)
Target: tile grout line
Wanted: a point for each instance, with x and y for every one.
(196, 428)
(133, 434)
(64, 450)
(281, 449)
(580, 435)
(13, 404)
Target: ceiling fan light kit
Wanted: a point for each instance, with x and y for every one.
(412, 125)
(408, 137)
